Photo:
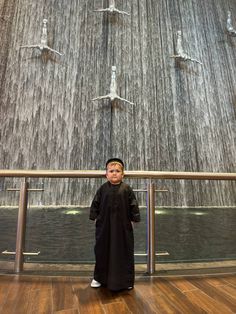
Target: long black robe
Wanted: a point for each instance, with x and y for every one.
(114, 207)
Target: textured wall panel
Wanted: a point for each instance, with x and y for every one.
(184, 113)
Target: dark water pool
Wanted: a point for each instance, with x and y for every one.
(67, 235)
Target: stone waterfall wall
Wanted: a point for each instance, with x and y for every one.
(184, 113)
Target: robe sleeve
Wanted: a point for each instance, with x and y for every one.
(134, 209)
(94, 208)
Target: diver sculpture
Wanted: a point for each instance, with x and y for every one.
(43, 45)
(180, 54)
(113, 87)
(229, 26)
(112, 9)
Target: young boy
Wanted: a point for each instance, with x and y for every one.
(114, 208)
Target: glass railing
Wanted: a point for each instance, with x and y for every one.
(174, 227)
(195, 234)
(63, 233)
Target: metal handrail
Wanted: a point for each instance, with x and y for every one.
(129, 174)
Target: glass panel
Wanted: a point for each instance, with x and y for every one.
(205, 232)
(63, 233)
(195, 220)
(139, 187)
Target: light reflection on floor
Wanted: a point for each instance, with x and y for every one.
(166, 212)
(198, 213)
(72, 212)
(161, 212)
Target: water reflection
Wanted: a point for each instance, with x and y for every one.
(67, 235)
(72, 212)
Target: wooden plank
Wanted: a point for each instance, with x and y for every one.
(35, 282)
(155, 298)
(106, 296)
(40, 301)
(162, 304)
(175, 297)
(72, 311)
(215, 293)
(88, 298)
(117, 308)
(137, 303)
(219, 281)
(17, 299)
(205, 302)
(63, 296)
(166, 286)
(146, 288)
(231, 280)
(230, 290)
(182, 284)
(4, 289)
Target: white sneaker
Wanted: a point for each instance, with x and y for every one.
(95, 284)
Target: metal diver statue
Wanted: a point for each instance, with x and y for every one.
(180, 54)
(113, 87)
(229, 26)
(43, 45)
(112, 9)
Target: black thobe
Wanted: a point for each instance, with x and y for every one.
(114, 207)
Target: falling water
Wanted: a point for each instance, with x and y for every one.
(184, 113)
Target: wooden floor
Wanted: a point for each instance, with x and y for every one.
(31, 294)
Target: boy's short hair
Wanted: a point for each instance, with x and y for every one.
(115, 161)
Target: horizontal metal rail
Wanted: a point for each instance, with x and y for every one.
(6, 252)
(129, 174)
(29, 190)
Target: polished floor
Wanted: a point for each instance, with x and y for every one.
(32, 294)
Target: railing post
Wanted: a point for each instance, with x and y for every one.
(151, 228)
(21, 226)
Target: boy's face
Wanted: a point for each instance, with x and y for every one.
(114, 173)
